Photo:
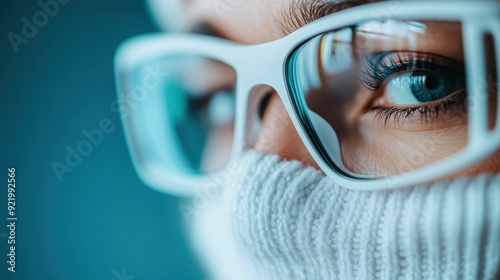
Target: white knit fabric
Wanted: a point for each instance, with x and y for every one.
(279, 220)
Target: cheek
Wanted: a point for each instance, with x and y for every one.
(372, 150)
(491, 165)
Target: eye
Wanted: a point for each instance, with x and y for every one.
(422, 86)
(263, 105)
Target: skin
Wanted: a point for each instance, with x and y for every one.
(260, 21)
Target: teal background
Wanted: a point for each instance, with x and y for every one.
(101, 217)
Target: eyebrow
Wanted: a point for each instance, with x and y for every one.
(302, 12)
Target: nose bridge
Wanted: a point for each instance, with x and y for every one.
(276, 134)
(260, 66)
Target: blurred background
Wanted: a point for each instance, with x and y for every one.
(100, 221)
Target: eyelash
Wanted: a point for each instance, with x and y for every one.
(379, 70)
(426, 112)
(302, 12)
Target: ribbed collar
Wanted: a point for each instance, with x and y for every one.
(285, 221)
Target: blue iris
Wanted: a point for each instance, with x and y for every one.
(428, 86)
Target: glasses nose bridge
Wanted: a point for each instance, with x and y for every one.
(256, 67)
(261, 65)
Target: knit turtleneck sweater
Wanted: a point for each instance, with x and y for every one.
(278, 220)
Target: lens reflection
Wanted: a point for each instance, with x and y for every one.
(384, 98)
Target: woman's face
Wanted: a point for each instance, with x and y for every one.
(373, 139)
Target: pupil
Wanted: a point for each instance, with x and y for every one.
(431, 81)
(426, 80)
(427, 86)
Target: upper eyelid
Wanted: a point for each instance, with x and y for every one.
(404, 60)
(205, 28)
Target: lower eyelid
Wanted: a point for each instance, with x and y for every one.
(453, 105)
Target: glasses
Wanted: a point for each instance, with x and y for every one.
(378, 102)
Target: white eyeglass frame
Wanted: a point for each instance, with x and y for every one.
(477, 18)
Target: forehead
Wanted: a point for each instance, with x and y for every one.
(245, 21)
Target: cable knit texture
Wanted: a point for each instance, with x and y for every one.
(285, 221)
